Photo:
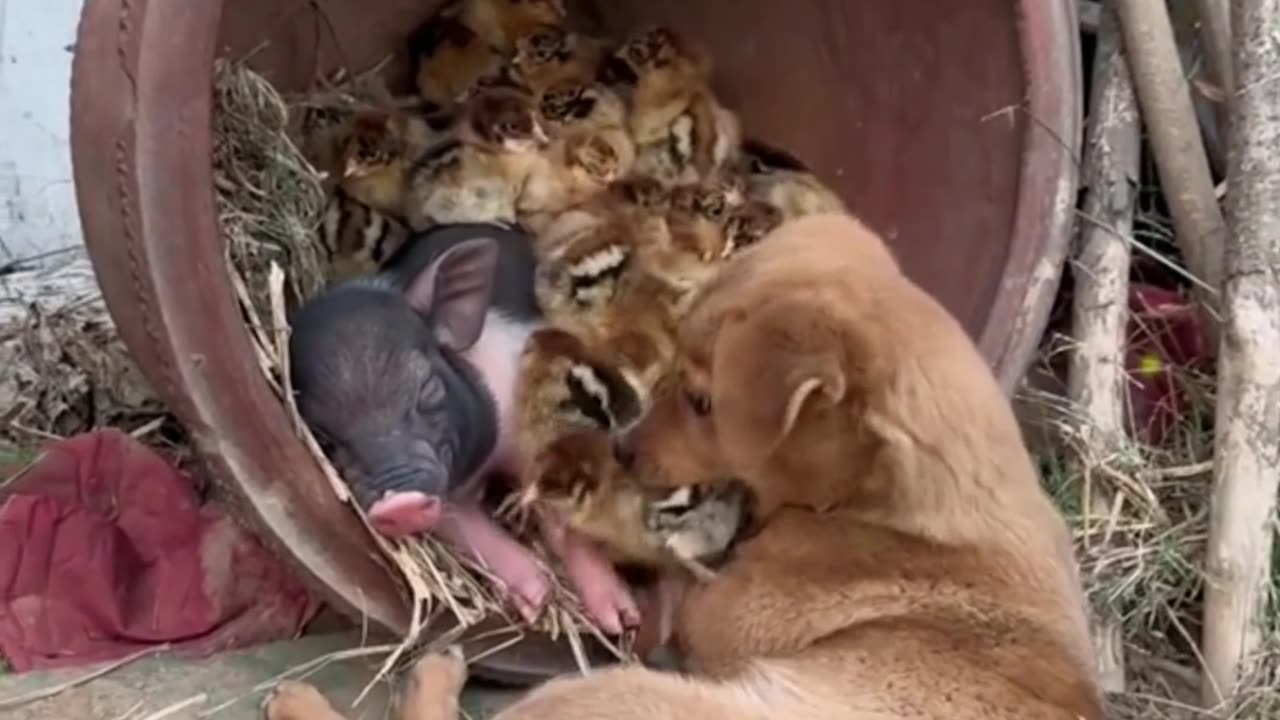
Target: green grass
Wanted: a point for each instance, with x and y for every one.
(1142, 564)
(13, 458)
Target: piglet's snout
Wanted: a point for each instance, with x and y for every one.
(404, 487)
(405, 500)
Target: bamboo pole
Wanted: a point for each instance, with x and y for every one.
(1095, 383)
(1247, 449)
(1164, 96)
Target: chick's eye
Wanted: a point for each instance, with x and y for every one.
(700, 404)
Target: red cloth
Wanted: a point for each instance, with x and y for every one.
(1166, 343)
(104, 551)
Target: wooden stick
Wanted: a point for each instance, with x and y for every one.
(1090, 12)
(1165, 99)
(1215, 38)
(1215, 33)
(1247, 447)
(1095, 382)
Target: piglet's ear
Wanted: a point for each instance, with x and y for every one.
(455, 289)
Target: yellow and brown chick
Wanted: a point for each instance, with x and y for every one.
(479, 173)
(466, 40)
(590, 150)
(377, 154)
(447, 57)
(585, 258)
(565, 384)
(552, 54)
(783, 182)
(501, 23)
(591, 280)
(577, 478)
(697, 221)
(357, 238)
(682, 133)
(749, 223)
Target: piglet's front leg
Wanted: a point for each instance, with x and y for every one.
(603, 592)
(466, 526)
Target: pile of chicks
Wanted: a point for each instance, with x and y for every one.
(632, 179)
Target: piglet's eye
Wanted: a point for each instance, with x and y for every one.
(700, 404)
(431, 396)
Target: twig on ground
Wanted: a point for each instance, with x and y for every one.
(177, 707)
(18, 701)
(1100, 314)
(300, 672)
(1247, 449)
(1165, 100)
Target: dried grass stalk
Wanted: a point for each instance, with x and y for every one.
(1096, 378)
(270, 200)
(1247, 453)
(66, 371)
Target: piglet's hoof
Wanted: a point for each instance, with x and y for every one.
(611, 606)
(400, 514)
(529, 594)
(292, 700)
(434, 685)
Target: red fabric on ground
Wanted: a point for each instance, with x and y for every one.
(1166, 342)
(104, 551)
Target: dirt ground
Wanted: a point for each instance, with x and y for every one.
(230, 686)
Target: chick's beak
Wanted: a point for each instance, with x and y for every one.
(540, 135)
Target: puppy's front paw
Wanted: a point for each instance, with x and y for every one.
(293, 700)
(434, 685)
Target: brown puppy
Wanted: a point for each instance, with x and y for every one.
(905, 562)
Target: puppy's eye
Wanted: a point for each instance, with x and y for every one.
(700, 404)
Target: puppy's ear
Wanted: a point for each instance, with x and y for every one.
(768, 366)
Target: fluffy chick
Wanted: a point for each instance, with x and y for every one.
(357, 238)
(570, 107)
(587, 258)
(696, 220)
(468, 39)
(563, 385)
(322, 133)
(778, 179)
(641, 194)
(377, 154)
(748, 223)
(577, 478)
(479, 173)
(590, 150)
(447, 56)
(503, 22)
(681, 131)
(551, 55)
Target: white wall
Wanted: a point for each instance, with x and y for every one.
(37, 199)
(38, 217)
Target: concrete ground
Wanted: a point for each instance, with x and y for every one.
(173, 689)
